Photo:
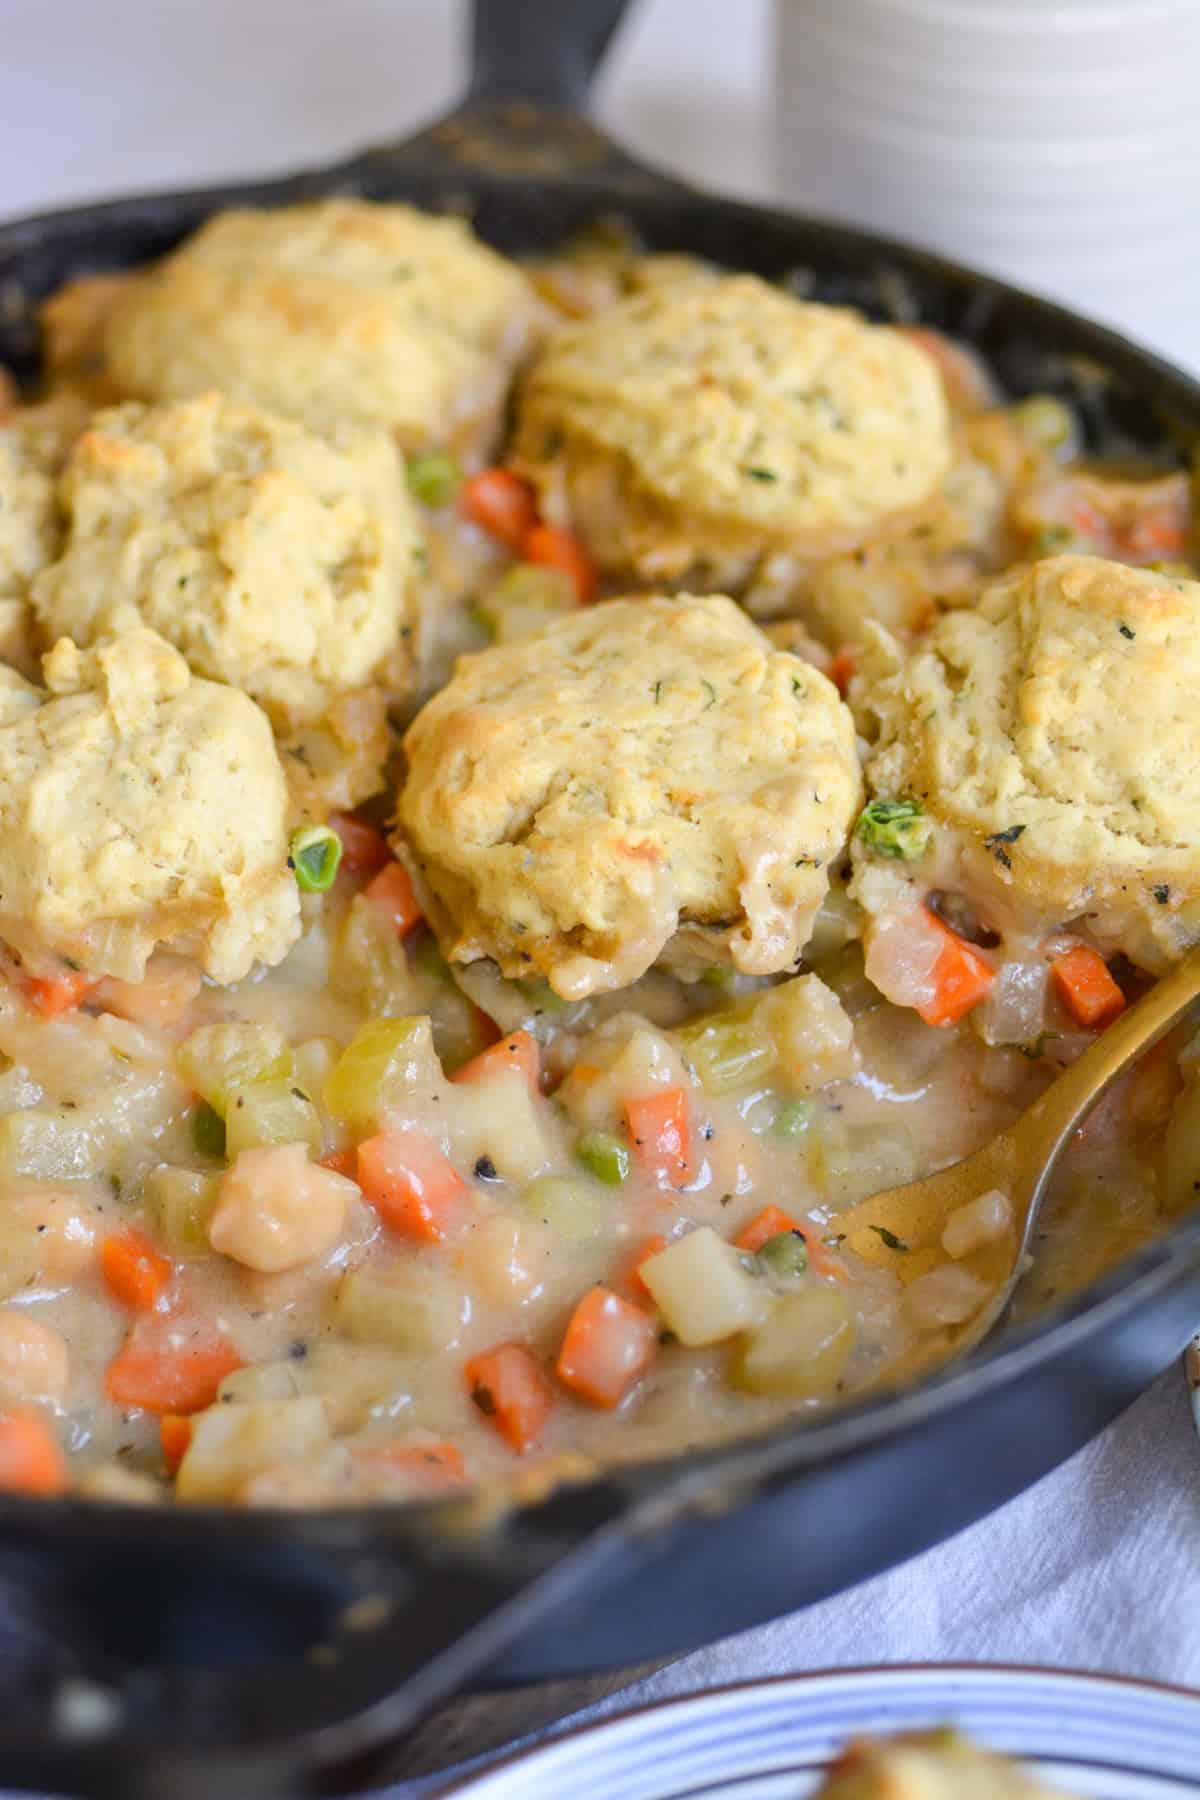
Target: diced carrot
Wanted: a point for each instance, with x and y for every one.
(30, 1459)
(961, 977)
(658, 1129)
(363, 847)
(342, 1162)
(515, 1054)
(771, 1221)
(170, 1365)
(63, 993)
(501, 503)
(134, 1271)
(608, 1346)
(432, 1466)
(510, 1387)
(555, 549)
(841, 669)
(633, 1274)
(766, 1224)
(1158, 531)
(1086, 987)
(412, 1186)
(392, 891)
(175, 1433)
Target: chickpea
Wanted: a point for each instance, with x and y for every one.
(275, 1210)
(34, 1362)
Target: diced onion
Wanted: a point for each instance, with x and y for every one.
(945, 1296)
(981, 1221)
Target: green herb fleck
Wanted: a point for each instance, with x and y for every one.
(757, 473)
(1162, 893)
(896, 828)
(314, 852)
(711, 691)
(657, 692)
(208, 1130)
(1126, 631)
(889, 1238)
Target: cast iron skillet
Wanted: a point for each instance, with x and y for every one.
(200, 1653)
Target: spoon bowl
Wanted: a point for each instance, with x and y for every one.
(902, 1228)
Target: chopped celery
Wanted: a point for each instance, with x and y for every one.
(208, 1130)
(896, 828)
(384, 1059)
(229, 1444)
(794, 1119)
(524, 597)
(605, 1155)
(402, 1308)
(429, 959)
(1047, 422)
(571, 1209)
(802, 1347)
(728, 1050)
(314, 852)
(271, 1112)
(218, 1058)
(180, 1201)
(785, 1254)
(433, 478)
(703, 1288)
(542, 997)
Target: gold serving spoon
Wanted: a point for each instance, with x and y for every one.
(901, 1228)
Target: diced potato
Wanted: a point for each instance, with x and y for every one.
(813, 1036)
(356, 1379)
(402, 1307)
(947, 1295)
(877, 1157)
(52, 1143)
(702, 1288)
(48, 1233)
(506, 1259)
(801, 1348)
(502, 1120)
(385, 1060)
(271, 1112)
(313, 1062)
(34, 1361)
(260, 1382)
(220, 1058)
(371, 963)
(180, 1201)
(613, 1063)
(124, 1487)
(230, 1443)
(981, 1221)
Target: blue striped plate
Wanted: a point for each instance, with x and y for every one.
(1096, 1737)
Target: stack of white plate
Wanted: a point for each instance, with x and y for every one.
(1055, 142)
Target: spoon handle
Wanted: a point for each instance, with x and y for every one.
(1043, 1130)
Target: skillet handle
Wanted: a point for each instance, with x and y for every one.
(541, 50)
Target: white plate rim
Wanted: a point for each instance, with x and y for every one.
(993, 1701)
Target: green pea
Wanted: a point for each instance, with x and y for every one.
(785, 1254)
(606, 1156)
(208, 1130)
(434, 478)
(314, 852)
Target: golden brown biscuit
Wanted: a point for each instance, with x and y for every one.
(335, 309)
(928, 1765)
(705, 425)
(34, 441)
(640, 775)
(1051, 736)
(138, 807)
(274, 559)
